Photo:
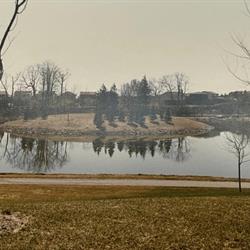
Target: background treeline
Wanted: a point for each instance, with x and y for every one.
(45, 88)
(38, 84)
(132, 106)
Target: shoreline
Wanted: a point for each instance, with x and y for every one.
(89, 137)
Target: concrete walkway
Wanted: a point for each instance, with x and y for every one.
(122, 182)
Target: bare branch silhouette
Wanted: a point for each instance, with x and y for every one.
(20, 6)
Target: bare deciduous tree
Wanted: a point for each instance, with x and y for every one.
(181, 85)
(237, 144)
(63, 76)
(9, 84)
(156, 86)
(20, 6)
(49, 80)
(168, 84)
(177, 82)
(31, 78)
(240, 71)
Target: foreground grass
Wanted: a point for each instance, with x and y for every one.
(80, 217)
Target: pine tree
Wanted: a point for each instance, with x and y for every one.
(112, 104)
(153, 115)
(98, 120)
(167, 116)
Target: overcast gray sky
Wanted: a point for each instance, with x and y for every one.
(116, 41)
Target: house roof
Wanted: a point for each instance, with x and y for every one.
(87, 93)
(68, 93)
(23, 92)
(205, 93)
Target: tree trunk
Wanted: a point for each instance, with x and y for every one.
(239, 174)
(1, 68)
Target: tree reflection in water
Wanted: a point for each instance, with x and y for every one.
(174, 149)
(33, 155)
(38, 155)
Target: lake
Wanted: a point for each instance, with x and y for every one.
(202, 155)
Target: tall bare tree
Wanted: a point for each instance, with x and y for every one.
(168, 84)
(49, 79)
(63, 76)
(181, 85)
(177, 82)
(237, 144)
(156, 86)
(9, 84)
(31, 78)
(240, 69)
(20, 6)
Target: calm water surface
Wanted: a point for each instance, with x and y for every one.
(182, 156)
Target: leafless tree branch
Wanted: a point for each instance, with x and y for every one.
(20, 6)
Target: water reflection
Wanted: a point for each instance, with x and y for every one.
(39, 155)
(175, 149)
(33, 155)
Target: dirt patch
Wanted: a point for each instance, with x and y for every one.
(11, 223)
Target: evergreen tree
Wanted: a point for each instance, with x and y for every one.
(121, 116)
(112, 104)
(143, 91)
(167, 116)
(98, 119)
(153, 115)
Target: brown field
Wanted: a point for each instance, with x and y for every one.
(124, 218)
(121, 176)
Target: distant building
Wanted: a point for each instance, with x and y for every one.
(3, 98)
(203, 97)
(2, 94)
(240, 95)
(22, 94)
(68, 97)
(167, 98)
(87, 99)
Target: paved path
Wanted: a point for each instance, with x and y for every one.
(122, 182)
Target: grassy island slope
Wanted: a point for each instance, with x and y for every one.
(81, 125)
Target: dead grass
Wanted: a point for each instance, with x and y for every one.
(83, 124)
(127, 218)
(121, 177)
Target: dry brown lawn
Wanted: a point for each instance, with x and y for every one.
(121, 177)
(126, 218)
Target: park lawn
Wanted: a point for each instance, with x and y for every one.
(84, 217)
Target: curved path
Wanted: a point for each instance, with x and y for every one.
(122, 182)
